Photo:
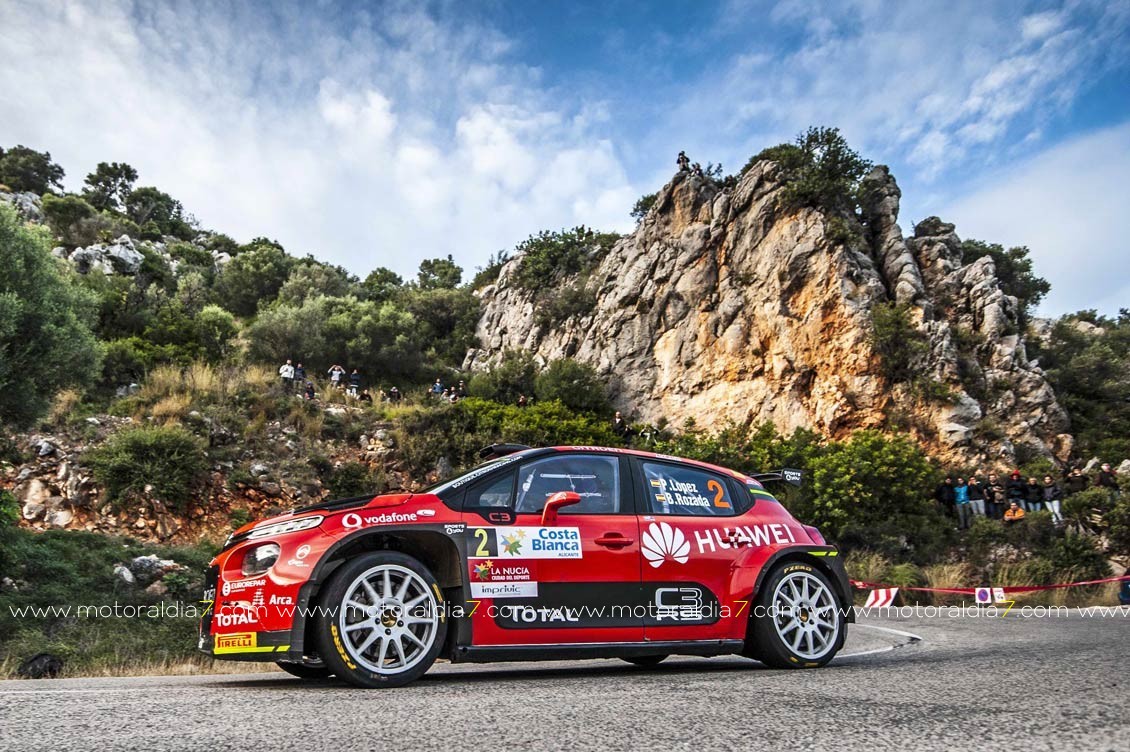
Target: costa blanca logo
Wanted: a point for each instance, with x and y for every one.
(663, 543)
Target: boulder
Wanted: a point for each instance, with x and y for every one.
(41, 666)
(122, 573)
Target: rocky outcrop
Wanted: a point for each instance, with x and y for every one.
(722, 306)
(28, 205)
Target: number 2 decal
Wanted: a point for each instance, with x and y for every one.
(484, 540)
(719, 493)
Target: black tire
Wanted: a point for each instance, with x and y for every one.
(805, 635)
(646, 661)
(305, 671)
(392, 641)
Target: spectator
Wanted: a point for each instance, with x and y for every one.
(976, 496)
(683, 161)
(354, 382)
(365, 396)
(1033, 495)
(461, 390)
(944, 495)
(336, 372)
(286, 371)
(1014, 489)
(620, 426)
(309, 392)
(962, 505)
(1013, 513)
(1053, 497)
(393, 395)
(437, 389)
(300, 374)
(453, 397)
(996, 497)
(1075, 482)
(1107, 479)
(522, 401)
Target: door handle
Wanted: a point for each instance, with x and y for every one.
(614, 540)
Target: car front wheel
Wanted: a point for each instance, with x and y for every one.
(384, 621)
(799, 623)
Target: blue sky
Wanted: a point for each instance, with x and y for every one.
(379, 134)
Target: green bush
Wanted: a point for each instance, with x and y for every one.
(488, 275)
(874, 491)
(1118, 526)
(897, 342)
(64, 215)
(575, 385)
(9, 509)
(511, 377)
(46, 342)
(551, 256)
(820, 169)
(167, 458)
(643, 205)
(24, 169)
(63, 567)
(354, 479)
(190, 254)
(554, 307)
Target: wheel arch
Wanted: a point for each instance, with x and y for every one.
(433, 549)
(827, 560)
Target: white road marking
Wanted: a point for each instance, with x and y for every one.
(911, 639)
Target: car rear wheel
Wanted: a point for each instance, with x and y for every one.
(384, 623)
(799, 623)
(304, 670)
(646, 661)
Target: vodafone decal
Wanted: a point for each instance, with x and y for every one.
(353, 521)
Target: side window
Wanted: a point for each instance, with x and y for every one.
(686, 491)
(491, 493)
(596, 479)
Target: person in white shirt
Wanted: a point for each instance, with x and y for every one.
(286, 371)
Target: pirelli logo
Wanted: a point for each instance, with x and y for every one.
(231, 643)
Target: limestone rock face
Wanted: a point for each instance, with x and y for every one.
(722, 306)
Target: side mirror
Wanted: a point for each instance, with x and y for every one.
(555, 502)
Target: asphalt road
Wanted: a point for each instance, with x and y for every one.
(969, 683)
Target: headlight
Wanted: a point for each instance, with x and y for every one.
(259, 559)
(290, 526)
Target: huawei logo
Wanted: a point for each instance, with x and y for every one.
(663, 543)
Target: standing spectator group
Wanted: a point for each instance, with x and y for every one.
(964, 499)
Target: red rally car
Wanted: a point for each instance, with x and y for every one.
(537, 554)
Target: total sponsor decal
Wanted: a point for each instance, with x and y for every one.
(353, 521)
(234, 587)
(236, 615)
(526, 542)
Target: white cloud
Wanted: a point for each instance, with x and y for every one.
(1068, 205)
(395, 140)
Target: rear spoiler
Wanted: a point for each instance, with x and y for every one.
(787, 475)
(495, 451)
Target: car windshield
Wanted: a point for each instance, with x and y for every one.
(476, 471)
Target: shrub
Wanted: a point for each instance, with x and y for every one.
(551, 256)
(9, 509)
(643, 205)
(354, 479)
(554, 307)
(24, 169)
(45, 325)
(1118, 526)
(109, 185)
(873, 491)
(820, 169)
(167, 458)
(190, 254)
(897, 341)
(511, 377)
(64, 216)
(574, 385)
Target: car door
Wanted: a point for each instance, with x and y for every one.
(576, 580)
(687, 529)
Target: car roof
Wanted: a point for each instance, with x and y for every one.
(655, 456)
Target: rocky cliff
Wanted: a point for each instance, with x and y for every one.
(722, 306)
